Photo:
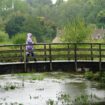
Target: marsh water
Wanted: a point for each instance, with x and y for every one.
(38, 88)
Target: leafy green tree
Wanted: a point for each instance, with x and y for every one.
(41, 28)
(14, 25)
(76, 31)
(101, 19)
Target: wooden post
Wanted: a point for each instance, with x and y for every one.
(91, 51)
(21, 53)
(25, 63)
(50, 57)
(75, 55)
(68, 56)
(100, 60)
(45, 52)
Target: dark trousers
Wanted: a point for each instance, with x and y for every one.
(30, 54)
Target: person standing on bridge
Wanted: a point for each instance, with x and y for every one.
(29, 47)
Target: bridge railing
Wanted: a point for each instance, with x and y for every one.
(54, 51)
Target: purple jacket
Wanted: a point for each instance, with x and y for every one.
(29, 42)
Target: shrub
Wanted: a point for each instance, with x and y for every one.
(89, 74)
(96, 76)
(21, 38)
(3, 37)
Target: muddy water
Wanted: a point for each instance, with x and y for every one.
(28, 91)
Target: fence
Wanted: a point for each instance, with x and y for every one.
(57, 52)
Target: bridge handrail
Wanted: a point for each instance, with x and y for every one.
(55, 51)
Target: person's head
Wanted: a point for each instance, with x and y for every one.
(29, 35)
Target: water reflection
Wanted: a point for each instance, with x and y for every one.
(74, 89)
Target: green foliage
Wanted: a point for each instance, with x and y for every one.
(21, 38)
(3, 37)
(50, 102)
(15, 25)
(81, 100)
(64, 99)
(103, 77)
(101, 19)
(39, 77)
(19, 16)
(76, 31)
(89, 75)
(44, 30)
(96, 76)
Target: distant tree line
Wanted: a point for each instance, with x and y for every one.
(43, 18)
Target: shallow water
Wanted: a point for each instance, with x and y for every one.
(37, 92)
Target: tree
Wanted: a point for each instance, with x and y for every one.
(40, 27)
(14, 25)
(76, 31)
(101, 19)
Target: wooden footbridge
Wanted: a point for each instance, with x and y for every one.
(53, 56)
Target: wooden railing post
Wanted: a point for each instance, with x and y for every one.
(50, 57)
(100, 60)
(91, 52)
(75, 55)
(68, 56)
(45, 52)
(21, 53)
(25, 63)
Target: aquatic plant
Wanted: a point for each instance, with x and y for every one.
(64, 99)
(37, 77)
(88, 75)
(11, 86)
(51, 102)
(83, 100)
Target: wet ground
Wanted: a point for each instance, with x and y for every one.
(38, 88)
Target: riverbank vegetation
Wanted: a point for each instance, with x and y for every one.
(98, 76)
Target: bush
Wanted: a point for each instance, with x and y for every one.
(89, 74)
(3, 37)
(97, 76)
(20, 38)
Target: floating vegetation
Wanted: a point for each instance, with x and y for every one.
(11, 103)
(10, 86)
(31, 76)
(65, 99)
